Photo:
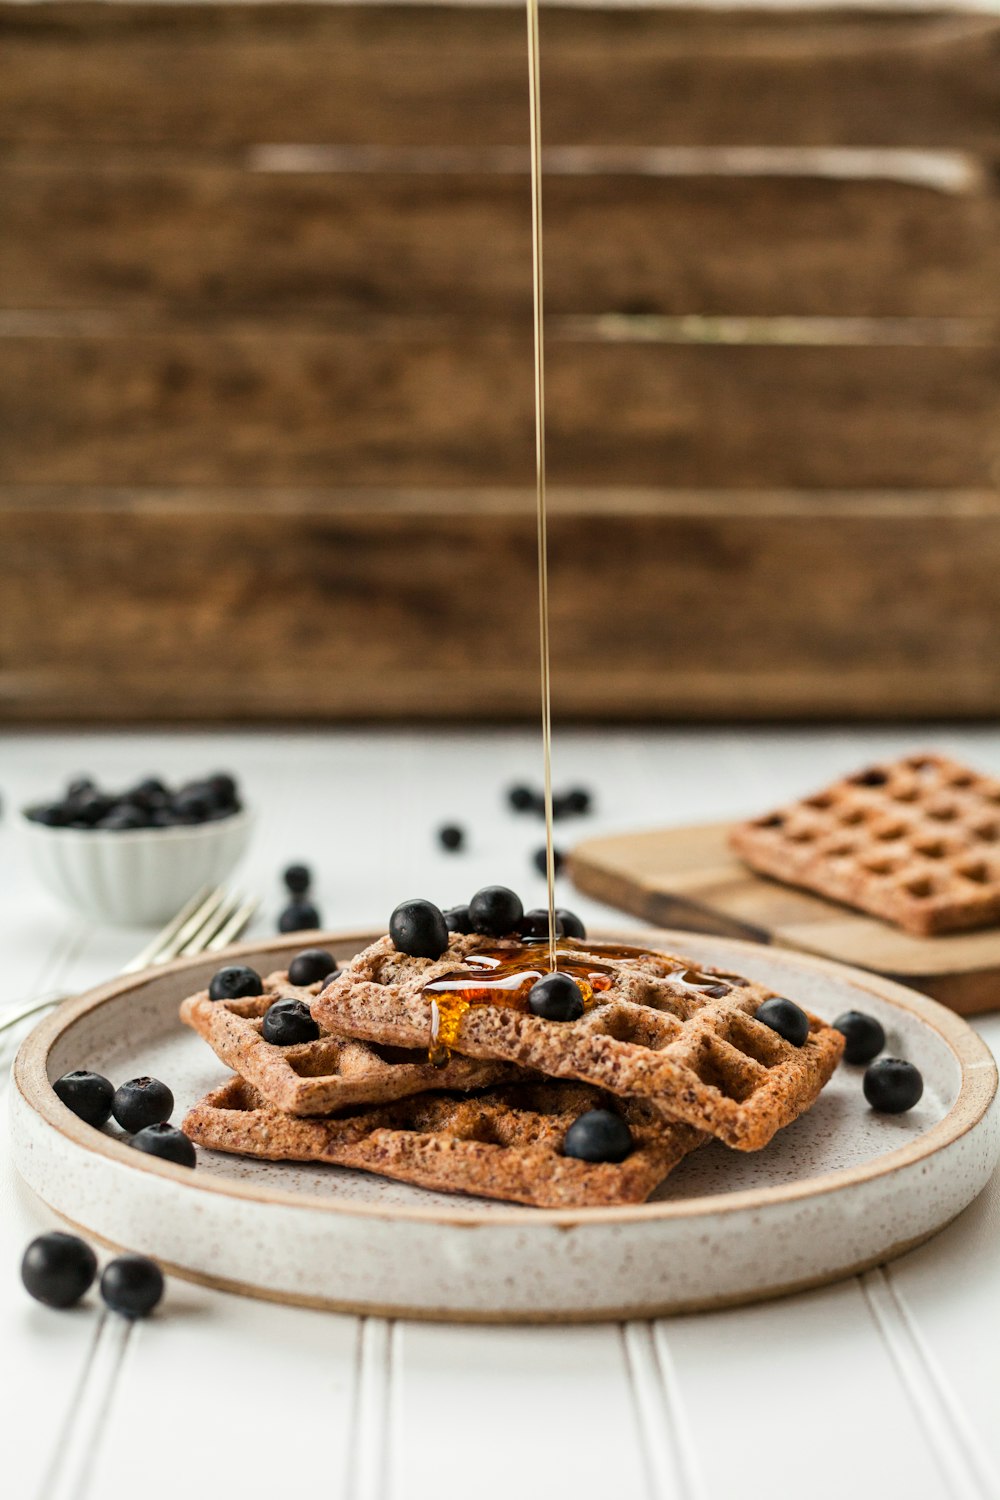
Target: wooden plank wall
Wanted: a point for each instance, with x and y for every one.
(265, 370)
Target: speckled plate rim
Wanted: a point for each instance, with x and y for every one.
(976, 1093)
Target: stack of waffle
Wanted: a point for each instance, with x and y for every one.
(676, 1052)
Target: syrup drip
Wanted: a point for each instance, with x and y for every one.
(501, 977)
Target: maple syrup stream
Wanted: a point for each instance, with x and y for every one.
(537, 282)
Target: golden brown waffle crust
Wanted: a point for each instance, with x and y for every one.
(915, 841)
(334, 1072)
(502, 1143)
(706, 1062)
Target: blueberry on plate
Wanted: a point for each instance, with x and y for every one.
(451, 837)
(58, 1268)
(540, 860)
(457, 919)
(310, 966)
(142, 1102)
(571, 925)
(892, 1086)
(598, 1135)
(557, 997)
(297, 879)
(534, 925)
(495, 911)
(299, 916)
(289, 1022)
(88, 1095)
(165, 1141)
(235, 982)
(786, 1018)
(132, 1285)
(864, 1036)
(419, 929)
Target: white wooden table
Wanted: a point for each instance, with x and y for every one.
(885, 1386)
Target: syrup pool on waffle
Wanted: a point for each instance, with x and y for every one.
(505, 977)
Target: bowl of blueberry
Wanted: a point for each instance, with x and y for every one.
(133, 858)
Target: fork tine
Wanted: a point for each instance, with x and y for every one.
(194, 924)
(199, 941)
(234, 926)
(167, 934)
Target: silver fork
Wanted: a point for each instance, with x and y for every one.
(209, 921)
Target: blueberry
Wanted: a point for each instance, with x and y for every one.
(79, 787)
(123, 818)
(167, 1142)
(571, 925)
(289, 1022)
(311, 965)
(786, 1018)
(51, 814)
(521, 798)
(87, 1095)
(329, 978)
(534, 925)
(578, 800)
(419, 929)
(142, 1102)
(451, 836)
(598, 1135)
(193, 804)
(540, 861)
(557, 997)
(58, 1268)
(223, 790)
(234, 982)
(495, 911)
(562, 806)
(297, 878)
(299, 916)
(150, 793)
(864, 1036)
(892, 1086)
(457, 919)
(90, 808)
(132, 1285)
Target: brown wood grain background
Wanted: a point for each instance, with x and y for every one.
(265, 368)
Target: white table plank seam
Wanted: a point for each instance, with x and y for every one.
(665, 1477)
(369, 1467)
(965, 1468)
(73, 1459)
(693, 1483)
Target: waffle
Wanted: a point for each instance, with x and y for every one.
(915, 841)
(503, 1143)
(315, 1078)
(694, 1049)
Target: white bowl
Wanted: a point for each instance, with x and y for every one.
(134, 877)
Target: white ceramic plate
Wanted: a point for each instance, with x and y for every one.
(839, 1190)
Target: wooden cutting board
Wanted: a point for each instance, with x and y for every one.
(688, 877)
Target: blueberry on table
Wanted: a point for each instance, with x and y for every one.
(132, 1285)
(786, 1018)
(540, 859)
(297, 879)
(165, 1141)
(235, 982)
(288, 1023)
(598, 1135)
(557, 997)
(457, 919)
(88, 1095)
(142, 1102)
(58, 1268)
(571, 925)
(451, 837)
(495, 911)
(578, 800)
(310, 966)
(299, 916)
(419, 929)
(892, 1086)
(521, 798)
(864, 1037)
